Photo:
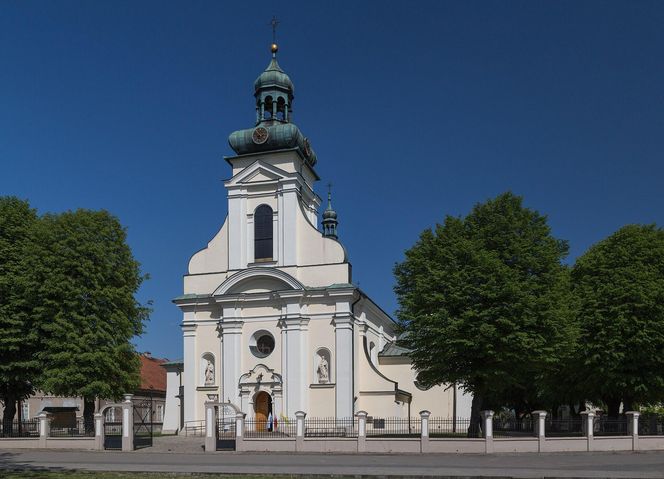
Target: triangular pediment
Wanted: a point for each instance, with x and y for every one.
(258, 172)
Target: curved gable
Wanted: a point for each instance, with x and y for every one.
(258, 280)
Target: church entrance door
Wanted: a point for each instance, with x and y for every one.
(262, 409)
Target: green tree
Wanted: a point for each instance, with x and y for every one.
(482, 303)
(86, 279)
(18, 332)
(619, 285)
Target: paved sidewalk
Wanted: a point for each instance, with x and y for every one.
(587, 465)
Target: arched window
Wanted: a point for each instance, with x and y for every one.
(263, 233)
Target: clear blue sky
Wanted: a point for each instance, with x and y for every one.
(415, 109)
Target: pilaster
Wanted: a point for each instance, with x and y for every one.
(231, 334)
(295, 362)
(343, 338)
(190, 372)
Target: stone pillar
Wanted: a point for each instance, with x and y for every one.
(299, 431)
(99, 431)
(127, 423)
(210, 427)
(343, 338)
(539, 425)
(239, 431)
(588, 424)
(487, 427)
(361, 431)
(424, 430)
(44, 428)
(633, 428)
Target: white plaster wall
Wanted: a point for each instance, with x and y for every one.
(214, 257)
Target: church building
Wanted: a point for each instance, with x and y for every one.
(272, 320)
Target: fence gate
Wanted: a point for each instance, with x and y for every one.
(113, 429)
(226, 428)
(142, 423)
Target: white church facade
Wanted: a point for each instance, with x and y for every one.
(271, 319)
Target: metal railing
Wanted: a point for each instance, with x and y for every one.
(512, 426)
(261, 428)
(77, 429)
(394, 427)
(194, 428)
(29, 428)
(452, 427)
(330, 427)
(651, 425)
(605, 426)
(569, 427)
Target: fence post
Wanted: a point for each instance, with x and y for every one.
(633, 428)
(128, 423)
(424, 430)
(299, 431)
(487, 425)
(361, 431)
(588, 422)
(44, 428)
(540, 424)
(210, 427)
(239, 431)
(99, 431)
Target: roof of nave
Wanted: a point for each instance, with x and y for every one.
(394, 349)
(153, 376)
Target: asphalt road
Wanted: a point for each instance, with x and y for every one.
(608, 465)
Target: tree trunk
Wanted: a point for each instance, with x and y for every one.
(89, 414)
(613, 407)
(475, 419)
(8, 416)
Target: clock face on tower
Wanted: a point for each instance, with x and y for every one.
(259, 135)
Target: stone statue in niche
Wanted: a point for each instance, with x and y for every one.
(209, 373)
(323, 370)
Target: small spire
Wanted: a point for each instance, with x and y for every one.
(330, 221)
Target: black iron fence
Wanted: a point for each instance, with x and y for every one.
(570, 427)
(512, 426)
(651, 425)
(262, 428)
(75, 429)
(453, 427)
(330, 427)
(605, 426)
(28, 428)
(394, 427)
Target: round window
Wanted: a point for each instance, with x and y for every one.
(265, 344)
(261, 344)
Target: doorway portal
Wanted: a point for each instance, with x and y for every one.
(262, 409)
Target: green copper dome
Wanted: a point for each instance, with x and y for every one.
(273, 77)
(274, 128)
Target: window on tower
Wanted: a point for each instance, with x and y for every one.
(263, 233)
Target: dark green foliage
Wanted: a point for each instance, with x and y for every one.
(85, 280)
(483, 304)
(619, 285)
(18, 335)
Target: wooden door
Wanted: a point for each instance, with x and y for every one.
(261, 408)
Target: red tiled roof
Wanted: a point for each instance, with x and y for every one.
(153, 376)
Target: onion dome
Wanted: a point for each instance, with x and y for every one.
(274, 77)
